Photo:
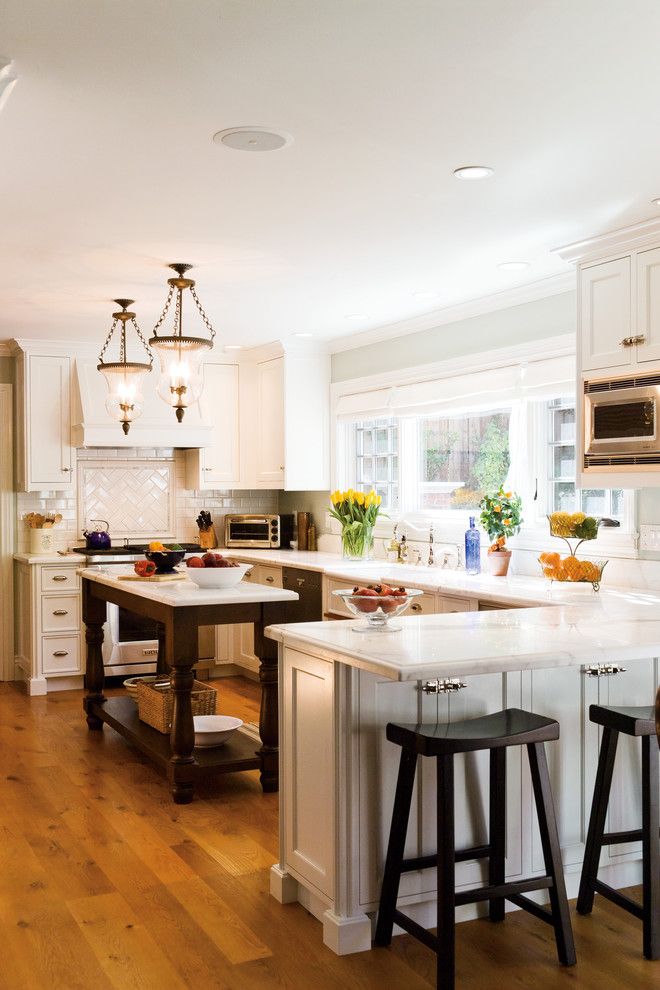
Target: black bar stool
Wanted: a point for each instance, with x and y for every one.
(632, 722)
(494, 732)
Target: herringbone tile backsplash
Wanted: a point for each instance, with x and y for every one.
(140, 492)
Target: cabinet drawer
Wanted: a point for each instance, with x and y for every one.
(270, 575)
(335, 604)
(422, 605)
(61, 654)
(59, 579)
(452, 603)
(60, 612)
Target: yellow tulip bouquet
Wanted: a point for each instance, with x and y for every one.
(357, 513)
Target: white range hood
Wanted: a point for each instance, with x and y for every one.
(156, 427)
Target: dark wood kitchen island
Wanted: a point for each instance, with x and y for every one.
(181, 608)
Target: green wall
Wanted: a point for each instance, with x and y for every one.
(503, 328)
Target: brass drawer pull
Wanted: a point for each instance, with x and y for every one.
(415, 607)
(61, 653)
(270, 579)
(60, 611)
(60, 577)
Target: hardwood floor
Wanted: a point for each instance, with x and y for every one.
(105, 883)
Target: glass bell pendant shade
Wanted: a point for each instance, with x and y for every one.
(181, 378)
(125, 399)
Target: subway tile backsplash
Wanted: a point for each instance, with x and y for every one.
(130, 519)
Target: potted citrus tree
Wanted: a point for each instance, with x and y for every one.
(500, 517)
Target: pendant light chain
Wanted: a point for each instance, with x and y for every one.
(143, 342)
(162, 316)
(107, 340)
(207, 322)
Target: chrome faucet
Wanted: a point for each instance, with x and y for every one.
(430, 562)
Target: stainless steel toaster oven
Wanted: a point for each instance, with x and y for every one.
(265, 531)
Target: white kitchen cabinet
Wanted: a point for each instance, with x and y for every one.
(270, 423)
(606, 315)
(48, 638)
(620, 314)
(45, 455)
(243, 633)
(219, 464)
(454, 603)
(293, 422)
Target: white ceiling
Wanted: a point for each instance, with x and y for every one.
(108, 170)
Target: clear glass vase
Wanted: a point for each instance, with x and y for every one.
(357, 542)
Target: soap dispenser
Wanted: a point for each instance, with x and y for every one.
(472, 549)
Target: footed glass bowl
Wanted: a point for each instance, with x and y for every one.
(377, 610)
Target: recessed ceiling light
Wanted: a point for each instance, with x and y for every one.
(303, 334)
(514, 266)
(473, 172)
(425, 294)
(656, 202)
(233, 347)
(356, 316)
(253, 139)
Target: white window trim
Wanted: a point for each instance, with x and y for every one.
(535, 534)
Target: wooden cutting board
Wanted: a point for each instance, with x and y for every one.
(153, 577)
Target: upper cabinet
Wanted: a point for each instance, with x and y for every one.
(45, 455)
(219, 464)
(293, 422)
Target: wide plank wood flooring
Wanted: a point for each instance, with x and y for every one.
(105, 883)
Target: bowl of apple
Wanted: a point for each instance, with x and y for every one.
(215, 571)
(377, 604)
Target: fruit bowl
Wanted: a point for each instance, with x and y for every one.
(165, 560)
(218, 577)
(377, 604)
(571, 570)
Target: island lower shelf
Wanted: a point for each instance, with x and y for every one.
(121, 714)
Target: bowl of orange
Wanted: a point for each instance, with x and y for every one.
(572, 569)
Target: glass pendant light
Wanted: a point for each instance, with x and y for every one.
(124, 377)
(181, 357)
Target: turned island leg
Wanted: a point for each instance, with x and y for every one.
(181, 650)
(94, 615)
(266, 650)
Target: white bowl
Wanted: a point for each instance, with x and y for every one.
(214, 730)
(217, 577)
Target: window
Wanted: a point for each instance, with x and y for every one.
(377, 459)
(562, 494)
(461, 458)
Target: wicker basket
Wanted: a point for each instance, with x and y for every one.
(156, 707)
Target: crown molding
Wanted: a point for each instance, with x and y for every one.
(602, 245)
(530, 292)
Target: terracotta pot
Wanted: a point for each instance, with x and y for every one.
(498, 562)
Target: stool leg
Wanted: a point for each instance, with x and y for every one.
(395, 847)
(651, 847)
(497, 828)
(585, 901)
(446, 948)
(551, 853)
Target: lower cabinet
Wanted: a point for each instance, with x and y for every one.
(48, 627)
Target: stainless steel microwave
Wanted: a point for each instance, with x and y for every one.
(621, 421)
(266, 531)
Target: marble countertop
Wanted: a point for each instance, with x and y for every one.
(458, 644)
(182, 593)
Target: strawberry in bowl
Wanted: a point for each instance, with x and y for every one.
(377, 603)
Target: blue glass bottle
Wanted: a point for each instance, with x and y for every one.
(472, 549)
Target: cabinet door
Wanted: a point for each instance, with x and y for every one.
(605, 315)
(648, 305)
(270, 423)
(220, 463)
(452, 603)
(48, 426)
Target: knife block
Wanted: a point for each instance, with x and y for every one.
(207, 538)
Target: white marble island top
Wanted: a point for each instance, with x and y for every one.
(182, 593)
(446, 645)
